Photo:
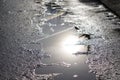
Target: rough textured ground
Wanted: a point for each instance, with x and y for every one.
(104, 27)
(21, 29)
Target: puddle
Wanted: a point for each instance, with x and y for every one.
(71, 66)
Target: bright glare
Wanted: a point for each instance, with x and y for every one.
(69, 46)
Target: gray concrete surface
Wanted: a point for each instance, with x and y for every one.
(113, 5)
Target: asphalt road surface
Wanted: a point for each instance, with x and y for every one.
(29, 31)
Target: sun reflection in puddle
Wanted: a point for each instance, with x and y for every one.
(69, 45)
